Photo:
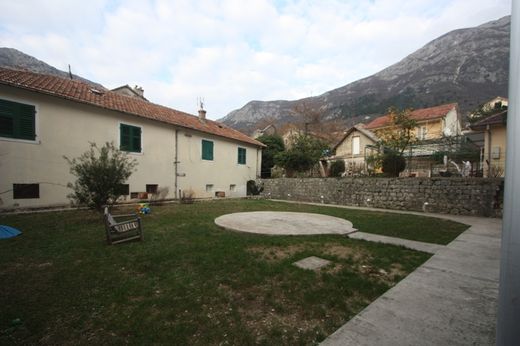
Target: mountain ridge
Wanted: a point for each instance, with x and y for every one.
(13, 58)
(467, 66)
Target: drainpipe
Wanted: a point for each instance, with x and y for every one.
(488, 158)
(176, 162)
(508, 332)
(258, 164)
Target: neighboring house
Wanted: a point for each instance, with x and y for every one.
(136, 91)
(493, 106)
(436, 128)
(432, 123)
(356, 145)
(498, 102)
(494, 128)
(43, 118)
(289, 133)
(269, 130)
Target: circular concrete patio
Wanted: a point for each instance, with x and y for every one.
(284, 223)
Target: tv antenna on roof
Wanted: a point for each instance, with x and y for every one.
(70, 72)
(200, 101)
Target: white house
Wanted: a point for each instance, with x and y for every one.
(43, 118)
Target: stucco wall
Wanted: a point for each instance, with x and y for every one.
(495, 137)
(65, 128)
(345, 148)
(433, 129)
(221, 172)
(465, 196)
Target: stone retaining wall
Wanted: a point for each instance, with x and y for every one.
(460, 196)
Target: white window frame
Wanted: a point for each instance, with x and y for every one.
(356, 147)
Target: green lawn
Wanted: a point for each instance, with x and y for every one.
(190, 282)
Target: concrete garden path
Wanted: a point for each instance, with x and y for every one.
(450, 300)
(410, 244)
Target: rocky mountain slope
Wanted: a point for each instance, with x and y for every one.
(13, 58)
(468, 66)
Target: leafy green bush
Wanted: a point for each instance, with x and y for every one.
(337, 168)
(100, 173)
(253, 189)
(393, 163)
(303, 155)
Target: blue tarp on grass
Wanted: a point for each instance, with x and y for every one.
(8, 232)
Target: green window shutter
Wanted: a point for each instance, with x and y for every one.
(26, 121)
(242, 156)
(125, 137)
(136, 139)
(130, 138)
(17, 120)
(207, 150)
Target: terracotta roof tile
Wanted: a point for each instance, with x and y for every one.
(79, 91)
(418, 115)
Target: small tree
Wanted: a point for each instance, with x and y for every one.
(400, 134)
(274, 145)
(303, 155)
(395, 140)
(100, 173)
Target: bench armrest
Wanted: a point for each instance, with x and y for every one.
(124, 215)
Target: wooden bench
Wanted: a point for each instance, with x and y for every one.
(124, 230)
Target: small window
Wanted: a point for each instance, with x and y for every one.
(152, 188)
(232, 187)
(130, 138)
(23, 191)
(17, 120)
(124, 189)
(421, 133)
(355, 146)
(242, 156)
(209, 187)
(207, 150)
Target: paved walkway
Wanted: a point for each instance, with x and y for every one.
(450, 300)
(411, 244)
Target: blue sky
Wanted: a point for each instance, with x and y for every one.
(230, 52)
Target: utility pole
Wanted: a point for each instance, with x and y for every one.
(508, 324)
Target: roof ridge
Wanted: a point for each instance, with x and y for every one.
(382, 121)
(82, 92)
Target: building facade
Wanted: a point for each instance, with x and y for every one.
(44, 118)
(493, 158)
(356, 145)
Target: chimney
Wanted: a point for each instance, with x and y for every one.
(202, 114)
(202, 111)
(139, 90)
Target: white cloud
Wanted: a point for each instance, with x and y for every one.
(231, 51)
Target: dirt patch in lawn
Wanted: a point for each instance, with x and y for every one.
(278, 253)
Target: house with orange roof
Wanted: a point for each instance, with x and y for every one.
(432, 123)
(43, 118)
(434, 126)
